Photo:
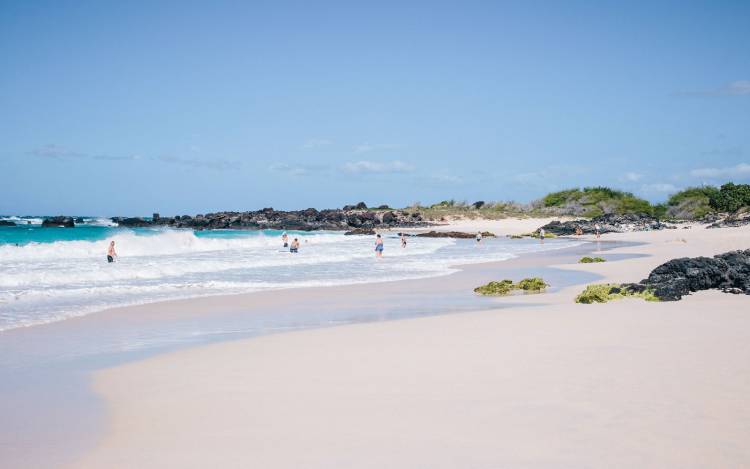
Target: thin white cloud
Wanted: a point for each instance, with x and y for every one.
(631, 177)
(55, 151)
(297, 169)
(316, 143)
(741, 169)
(448, 178)
(367, 147)
(364, 166)
(660, 187)
(734, 88)
(738, 88)
(217, 164)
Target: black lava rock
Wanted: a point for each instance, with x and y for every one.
(58, 222)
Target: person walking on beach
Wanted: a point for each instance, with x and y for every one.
(378, 246)
(111, 253)
(285, 239)
(479, 236)
(403, 240)
(541, 235)
(295, 246)
(597, 229)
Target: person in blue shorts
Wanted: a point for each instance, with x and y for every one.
(378, 246)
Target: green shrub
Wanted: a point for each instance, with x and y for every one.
(589, 260)
(504, 287)
(604, 292)
(555, 199)
(731, 197)
(706, 192)
(691, 204)
(595, 201)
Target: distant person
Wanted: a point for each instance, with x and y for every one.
(111, 253)
(295, 246)
(479, 236)
(285, 239)
(378, 246)
(597, 230)
(541, 235)
(403, 240)
(579, 231)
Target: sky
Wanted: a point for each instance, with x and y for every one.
(127, 108)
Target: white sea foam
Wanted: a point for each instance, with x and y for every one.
(23, 220)
(44, 282)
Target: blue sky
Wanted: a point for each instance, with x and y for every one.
(186, 107)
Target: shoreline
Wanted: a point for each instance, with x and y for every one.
(503, 227)
(276, 367)
(58, 344)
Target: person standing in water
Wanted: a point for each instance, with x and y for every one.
(597, 228)
(541, 235)
(285, 239)
(295, 246)
(403, 240)
(378, 246)
(111, 253)
(479, 236)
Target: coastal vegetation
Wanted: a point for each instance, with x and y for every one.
(604, 292)
(692, 203)
(597, 201)
(505, 287)
(591, 260)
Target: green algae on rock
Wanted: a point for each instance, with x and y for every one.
(590, 260)
(505, 287)
(604, 292)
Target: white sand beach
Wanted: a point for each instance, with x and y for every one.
(546, 383)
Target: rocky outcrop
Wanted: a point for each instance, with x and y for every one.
(131, 222)
(7, 223)
(304, 220)
(359, 206)
(454, 234)
(729, 272)
(740, 218)
(607, 224)
(57, 222)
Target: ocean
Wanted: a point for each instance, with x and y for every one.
(50, 274)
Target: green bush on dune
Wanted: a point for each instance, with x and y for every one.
(692, 203)
(590, 260)
(604, 292)
(730, 197)
(595, 201)
(504, 287)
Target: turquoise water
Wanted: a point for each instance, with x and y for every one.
(34, 233)
(24, 234)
